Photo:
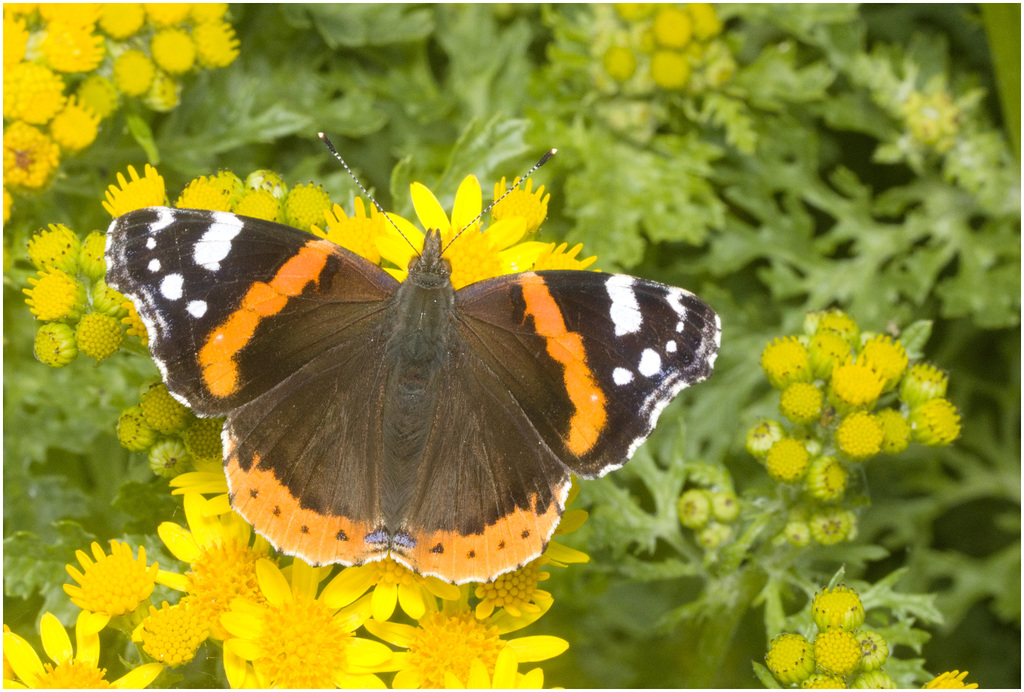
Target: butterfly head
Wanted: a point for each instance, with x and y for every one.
(430, 267)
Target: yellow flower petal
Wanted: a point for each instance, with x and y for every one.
(468, 203)
(385, 596)
(218, 505)
(22, 657)
(478, 677)
(179, 541)
(560, 553)
(506, 622)
(138, 678)
(91, 623)
(367, 653)
(56, 642)
(407, 679)
(306, 579)
(205, 528)
(505, 668)
(538, 647)
(411, 599)
(242, 648)
(87, 636)
(242, 624)
(391, 632)
(507, 232)
(172, 580)
(347, 586)
(273, 583)
(428, 209)
(235, 668)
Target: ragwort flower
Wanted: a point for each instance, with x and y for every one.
(296, 639)
(30, 157)
(222, 563)
(393, 584)
(72, 667)
(447, 642)
(113, 584)
(138, 193)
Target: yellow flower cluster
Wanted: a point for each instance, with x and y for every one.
(641, 49)
(81, 313)
(848, 396)
(68, 66)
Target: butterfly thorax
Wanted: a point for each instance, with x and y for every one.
(417, 354)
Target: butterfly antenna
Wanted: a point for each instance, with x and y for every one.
(543, 159)
(330, 147)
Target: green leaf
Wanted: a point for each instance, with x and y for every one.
(33, 566)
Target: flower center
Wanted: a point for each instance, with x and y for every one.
(115, 584)
(224, 572)
(172, 635)
(512, 589)
(304, 647)
(390, 572)
(70, 675)
(473, 259)
(451, 644)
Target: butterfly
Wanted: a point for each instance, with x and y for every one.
(367, 417)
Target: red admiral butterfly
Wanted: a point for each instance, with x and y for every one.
(367, 417)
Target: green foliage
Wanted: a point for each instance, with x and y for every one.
(801, 181)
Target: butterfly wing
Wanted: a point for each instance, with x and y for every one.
(555, 372)
(253, 320)
(234, 305)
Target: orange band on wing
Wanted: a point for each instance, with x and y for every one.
(510, 542)
(566, 347)
(276, 514)
(217, 356)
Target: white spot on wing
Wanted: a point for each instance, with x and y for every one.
(650, 363)
(196, 308)
(621, 376)
(671, 346)
(171, 286)
(154, 265)
(625, 311)
(164, 218)
(216, 242)
(150, 243)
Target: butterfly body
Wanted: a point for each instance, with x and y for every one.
(368, 418)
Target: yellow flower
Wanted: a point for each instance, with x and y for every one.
(935, 422)
(70, 47)
(357, 233)
(669, 69)
(114, 584)
(448, 642)
(54, 295)
(138, 193)
(133, 323)
(839, 607)
(886, 357)
(839, 322)
(15, 40)
(204, 193)
(260, 204)
(75, 127)
(98, 94)
(173, 50)
(295, 639)
(787, 460)
(134, 72)
(859, 436)
(953, 680)
(208, 11)
(75, 14)
(70, 669)
(521, 201)
(164, 14)
(55, 345)
(392, 584)
(923, 382)
(833, 525)
(32, 93)
(837, 651)
(855, 384)
(801, 403)
(790, 658)
(121, 20)
(826, 479)
(172, 634)
(619, 62)
(203, 438)
(552, 257)
(164, 93)
(786, 361)
(515, 591)
(672, 27)
(305, 206)
(635, 11)
(895, 431)
(216, 44)
(476, 255)
(58, 246)
(706, 23)
(133, 432)
(30, 157)
(827, 348)
(98, 336)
